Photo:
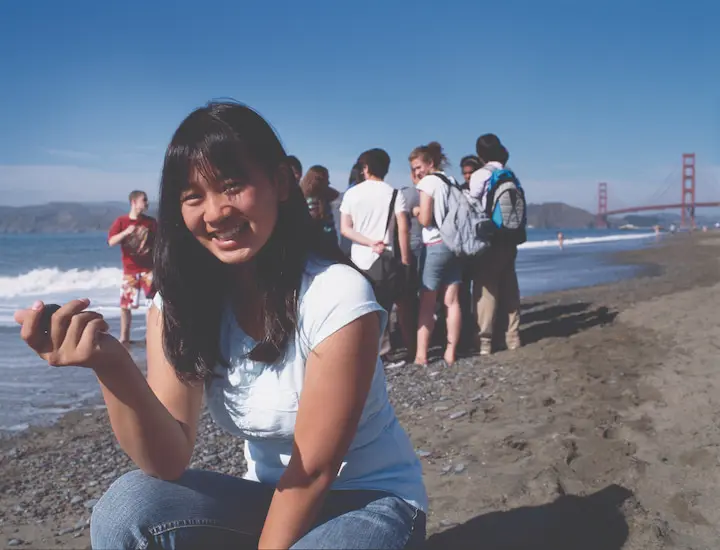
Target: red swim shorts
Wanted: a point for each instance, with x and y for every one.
(132, 284)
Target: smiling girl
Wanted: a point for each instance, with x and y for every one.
(269, 322)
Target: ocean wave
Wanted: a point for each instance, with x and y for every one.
(7, 313)
(586, 240)
(42, 282)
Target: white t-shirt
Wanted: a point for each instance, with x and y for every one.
(437, 189)
(258, 402)
(478, 182)
(367, 203)
(412, 199)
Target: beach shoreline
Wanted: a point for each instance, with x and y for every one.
(575, 430)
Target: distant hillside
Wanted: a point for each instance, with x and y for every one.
(73, 217)
(60, 217)
(558, 215)
(639, 220)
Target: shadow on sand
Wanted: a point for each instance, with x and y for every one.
(537, 323)
(593, 522)
(562, 321)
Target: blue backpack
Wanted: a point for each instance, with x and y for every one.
(505, 206)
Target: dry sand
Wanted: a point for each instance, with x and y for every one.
(601, 433)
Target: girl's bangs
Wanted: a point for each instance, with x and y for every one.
(215, 155)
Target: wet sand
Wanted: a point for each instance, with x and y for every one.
(602, 432)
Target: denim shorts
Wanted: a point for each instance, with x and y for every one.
(439, 267)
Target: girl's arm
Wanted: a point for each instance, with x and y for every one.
(154, 420)
(425, 215)
(338, 376)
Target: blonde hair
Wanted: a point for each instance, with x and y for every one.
(430, 153)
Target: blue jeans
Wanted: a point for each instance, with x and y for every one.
(210, 510)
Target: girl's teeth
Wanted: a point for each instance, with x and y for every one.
(226, 236)
(229, 234)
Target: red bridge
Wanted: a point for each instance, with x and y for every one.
(686, 206)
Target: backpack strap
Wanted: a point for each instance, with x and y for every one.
(450, 183)
(488, 194)
(390, 213)
(444, 178)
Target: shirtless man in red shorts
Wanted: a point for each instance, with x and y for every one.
(135, 232)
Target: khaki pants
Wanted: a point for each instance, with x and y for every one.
(495, 288)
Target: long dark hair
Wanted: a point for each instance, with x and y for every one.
(220, 140)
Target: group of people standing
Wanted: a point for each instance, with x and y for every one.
(480, 295)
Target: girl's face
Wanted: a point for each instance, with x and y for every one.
(467, 172)
(420, 168)
(233, 219)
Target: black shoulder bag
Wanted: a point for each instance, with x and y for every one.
(386, 272)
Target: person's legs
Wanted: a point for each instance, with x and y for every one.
(451, 281)
(129, 295)
(454, 321)
(365, 519)
(426, 324)
(200, 510)
(407, 310)
(486, 289)
(125, 322)
(465, 298)
(206, 509)
(430, 281)
(511, 303)
(407, 318)
(385, 343)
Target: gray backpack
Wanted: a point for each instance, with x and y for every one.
(463, 228)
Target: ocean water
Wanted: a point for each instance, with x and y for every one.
(57, 268)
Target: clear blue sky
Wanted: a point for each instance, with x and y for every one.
(580, 91)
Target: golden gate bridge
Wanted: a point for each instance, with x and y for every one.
(687, 205)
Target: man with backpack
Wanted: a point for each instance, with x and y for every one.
(374, 217)
(495, 284)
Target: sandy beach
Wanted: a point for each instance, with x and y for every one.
(602, 432)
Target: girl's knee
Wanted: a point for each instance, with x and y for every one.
(118, 514)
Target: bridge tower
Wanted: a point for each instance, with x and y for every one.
(687, 214)
(601, 221)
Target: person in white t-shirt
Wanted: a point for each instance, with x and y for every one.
(364, 221)
(268, 325)
(441, 269)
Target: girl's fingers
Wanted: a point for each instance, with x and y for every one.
(94, 331)
(61, 319)
(31, 332)
(77, 327)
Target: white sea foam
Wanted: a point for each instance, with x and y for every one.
(53, 281)
(587, 240)
(101, 285)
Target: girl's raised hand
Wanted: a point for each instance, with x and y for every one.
(69, 336)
